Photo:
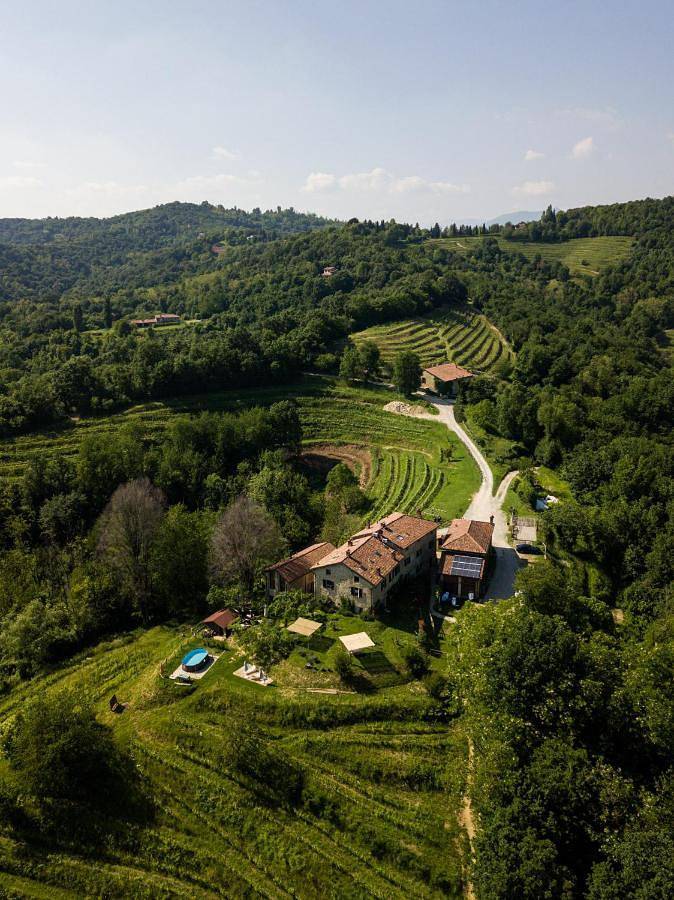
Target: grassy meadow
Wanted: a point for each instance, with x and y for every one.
(458, 335)
(416, 464)
(382, 777)
(582, 256)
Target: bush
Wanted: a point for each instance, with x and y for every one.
(416, 661)
(343, 664)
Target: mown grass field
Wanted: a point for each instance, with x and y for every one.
(412, 471)
(377, 816)
(458, 335)
(582, 256)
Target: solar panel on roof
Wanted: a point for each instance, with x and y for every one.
(467, 566)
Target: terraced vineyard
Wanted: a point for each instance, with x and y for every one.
(374, 819)
(458, 335)
(410, 470)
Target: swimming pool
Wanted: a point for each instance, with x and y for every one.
(194, 660)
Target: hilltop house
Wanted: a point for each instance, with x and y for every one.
(159, 319)
(329, 271)
(465, 555)
(294, 573)
(370, 564)
(444, 379)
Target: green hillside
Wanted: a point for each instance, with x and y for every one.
(582, 256)
(459, 335)
(373, 819)
(408, 472)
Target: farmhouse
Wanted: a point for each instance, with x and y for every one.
(220, 622)
(465, 553)
(159, 319)
(365, 569)
(294, 572)
(329, 271)
(444, 379)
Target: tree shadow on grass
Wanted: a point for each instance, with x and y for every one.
(319, 643)
(377, 663)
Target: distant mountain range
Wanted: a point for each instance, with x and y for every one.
(520, 215)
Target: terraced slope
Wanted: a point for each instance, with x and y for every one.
(378, 815)
(582, 256)
(433, 471)
(460, 335)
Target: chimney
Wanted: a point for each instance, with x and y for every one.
(491, 520)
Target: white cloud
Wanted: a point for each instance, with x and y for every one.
(531, 155)
(379, 180)
(19, 181)
(28, 164)
(583, 148)
(220, 152)
(374, 180)
(535, 188)
(417, 183)
(318, 181)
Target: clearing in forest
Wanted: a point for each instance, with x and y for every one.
(582, 256)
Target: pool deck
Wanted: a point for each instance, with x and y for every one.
(195, 676)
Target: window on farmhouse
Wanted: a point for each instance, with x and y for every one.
(328, 571)
(356, 592)
(356, 578)
(327, 583)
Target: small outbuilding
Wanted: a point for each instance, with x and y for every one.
(220, 622)
(305, 627)
(354, 643)
(444, 379)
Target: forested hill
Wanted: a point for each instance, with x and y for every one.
(46, 258)
(160, 226)
(635, 218)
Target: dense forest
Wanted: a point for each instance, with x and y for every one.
(572, 717)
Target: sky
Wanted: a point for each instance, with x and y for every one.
(423, 112)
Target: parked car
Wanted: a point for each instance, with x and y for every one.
(529, 549)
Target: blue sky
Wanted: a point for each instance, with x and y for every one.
(420, 111)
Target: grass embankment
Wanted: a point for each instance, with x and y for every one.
(377, 816)
(582, 256)
(458, 335)
(417, 464)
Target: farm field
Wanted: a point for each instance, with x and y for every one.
(412, 470)
(582, 256)
(376, 816)
(457, 335)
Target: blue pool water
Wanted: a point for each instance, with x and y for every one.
(194, 659)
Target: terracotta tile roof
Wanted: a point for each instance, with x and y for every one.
(223, 618)
(400, 529)
(468, 536)
(300, 563)
(448, 560)
(369, 556)
(449, 372)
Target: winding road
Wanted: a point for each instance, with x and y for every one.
(484, 503)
